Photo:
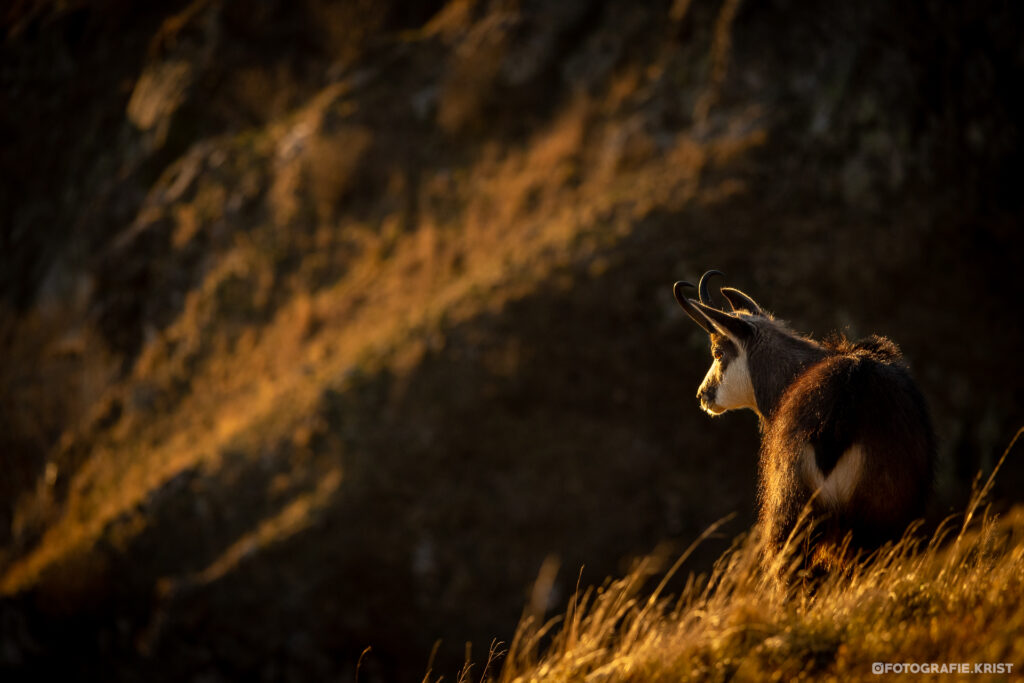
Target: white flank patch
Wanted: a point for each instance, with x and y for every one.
(836, 489)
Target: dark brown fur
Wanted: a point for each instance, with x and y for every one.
(857, 393)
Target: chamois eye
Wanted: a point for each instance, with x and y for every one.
(717, 354)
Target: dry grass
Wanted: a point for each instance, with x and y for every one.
(951, 598)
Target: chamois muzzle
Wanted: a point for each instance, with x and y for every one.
(706, 397)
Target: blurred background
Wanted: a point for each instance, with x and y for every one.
(326, 325)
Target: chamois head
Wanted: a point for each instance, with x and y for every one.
(729, 384)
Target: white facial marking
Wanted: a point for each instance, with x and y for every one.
(734, 388)
(836, 489)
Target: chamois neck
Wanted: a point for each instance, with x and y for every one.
(775, 363)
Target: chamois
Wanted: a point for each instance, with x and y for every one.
(843, 425)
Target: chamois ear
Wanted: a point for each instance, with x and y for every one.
(725, 323)
(698, 317)
(740, 301)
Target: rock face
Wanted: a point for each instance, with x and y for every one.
(324, 325)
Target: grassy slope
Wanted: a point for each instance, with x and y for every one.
(956, 604)
(952, 599)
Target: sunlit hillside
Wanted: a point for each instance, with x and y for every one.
(929, 606)
(326, 326)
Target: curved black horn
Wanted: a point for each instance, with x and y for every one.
(740, 301)
(691, 310)
(702, 288)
